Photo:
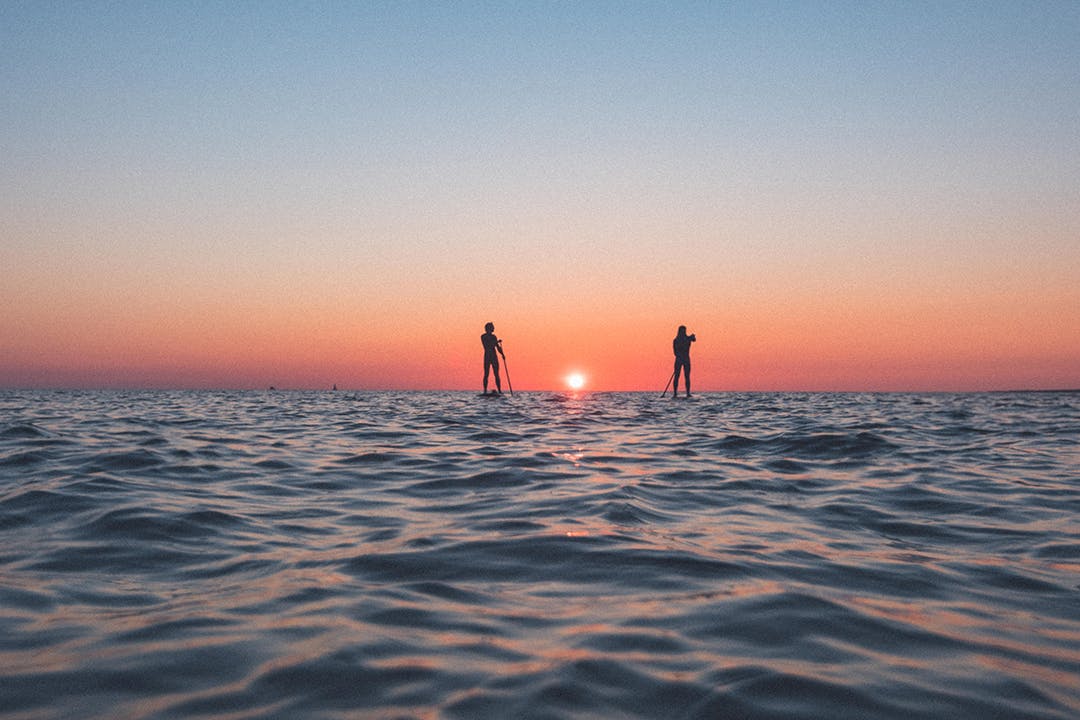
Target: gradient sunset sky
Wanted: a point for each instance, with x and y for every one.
(833, 196)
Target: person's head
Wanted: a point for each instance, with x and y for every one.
(682, 331)
(490, 327)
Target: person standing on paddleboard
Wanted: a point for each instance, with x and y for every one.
(492, 350)
(681, 346)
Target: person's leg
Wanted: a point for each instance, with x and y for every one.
(498, 380)
(675, 387)
(686, 369)
(487, 370)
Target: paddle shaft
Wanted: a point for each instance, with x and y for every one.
(669, 382)
(506, 366)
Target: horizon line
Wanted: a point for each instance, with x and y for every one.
(564, 391)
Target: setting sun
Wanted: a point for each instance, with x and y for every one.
(575, 381)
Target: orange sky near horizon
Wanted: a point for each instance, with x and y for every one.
(873, 198)
(886, 335)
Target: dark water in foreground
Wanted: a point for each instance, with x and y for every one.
(435, 555)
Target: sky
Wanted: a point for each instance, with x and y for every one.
(832, 196)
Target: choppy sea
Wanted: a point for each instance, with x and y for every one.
(439, 555)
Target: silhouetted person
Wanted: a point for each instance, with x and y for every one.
(492, 350)
(681, 346)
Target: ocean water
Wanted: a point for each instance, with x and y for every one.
(438, 555)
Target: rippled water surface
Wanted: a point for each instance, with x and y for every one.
(440, 555)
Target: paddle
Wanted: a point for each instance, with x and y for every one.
(669, 382)
(506, 366)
